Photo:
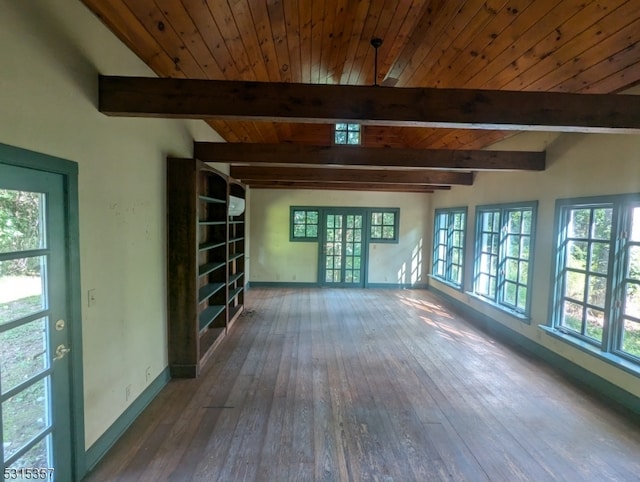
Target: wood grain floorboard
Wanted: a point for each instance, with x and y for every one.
(371, 385)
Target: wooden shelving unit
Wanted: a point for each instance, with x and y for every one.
(205, 262)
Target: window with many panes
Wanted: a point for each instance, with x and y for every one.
(504, 243)
(597, 288)
(347, 134)
(448, 245)
(384, 225)
(304, 224)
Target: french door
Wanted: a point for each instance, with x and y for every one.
(342, 248)
(35, 422)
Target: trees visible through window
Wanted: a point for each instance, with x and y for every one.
(448, 245)
(586, 263)
(347, 134)
(384, 225)
(504, 237)
(597, 290)
(304, 224)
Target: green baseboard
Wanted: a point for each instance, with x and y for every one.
(397, 286)
(108, 439)
(280, 284)
(294, 284)
(603, 388)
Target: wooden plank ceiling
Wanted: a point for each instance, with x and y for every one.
(572, 46)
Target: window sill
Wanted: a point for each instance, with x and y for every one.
(445, 282)
(514, 314)
(612, 359)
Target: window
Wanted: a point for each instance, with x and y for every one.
(597, 288)
(448, 245)
(384, 225)
(304, 224)
(347, 134)
(504, 238)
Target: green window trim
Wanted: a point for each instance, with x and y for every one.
(596, 292)
(383, 225)
(347, 134)
(448, 246)
(503, 258)
(304, 224)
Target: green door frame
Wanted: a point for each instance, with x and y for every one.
(364, 257)
(69, 170)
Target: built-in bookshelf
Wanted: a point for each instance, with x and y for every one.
(205, 252)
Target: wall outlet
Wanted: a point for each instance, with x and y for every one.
(91, 297)
(127, 393)
(147, 374)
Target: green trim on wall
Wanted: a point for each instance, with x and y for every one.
(36, 160)
(293, 284)
(604, 388)
(398, 286)
(280, 284)
(108, 439)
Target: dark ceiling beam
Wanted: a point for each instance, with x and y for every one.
(416, 107)
(382, 185)
(346, 186)
(248, 174)
(259, 154)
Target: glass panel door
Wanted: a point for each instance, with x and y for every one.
(342, 260)
(34, 366)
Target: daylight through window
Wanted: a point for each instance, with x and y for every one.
(597, 292)
(304, 224)
(384, 225)
(503, 254)
(448, 245)
(347, 134)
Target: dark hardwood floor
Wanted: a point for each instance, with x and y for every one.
(386, 385)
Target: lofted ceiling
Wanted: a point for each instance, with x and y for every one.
(572, 46)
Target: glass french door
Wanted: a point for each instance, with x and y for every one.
(342, 248)
(35, 403)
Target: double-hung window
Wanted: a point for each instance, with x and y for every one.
(448, 245)
(596, 295)
(504, 244)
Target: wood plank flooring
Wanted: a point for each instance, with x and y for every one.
(371, 385)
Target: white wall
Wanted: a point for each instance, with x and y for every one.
(51, 52)
(577, 165)
(275, 259)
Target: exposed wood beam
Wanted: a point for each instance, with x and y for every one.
(294, 184)
(258, 154)
(422, 107)
(248, 174)
(346, 186)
